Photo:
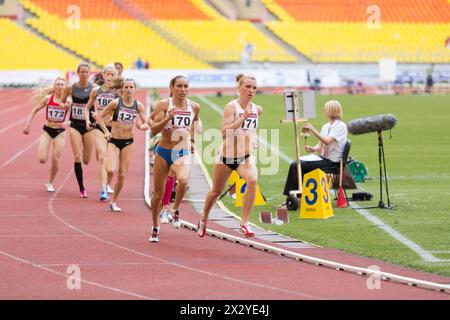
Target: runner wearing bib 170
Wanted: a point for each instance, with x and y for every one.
(174, 118)
(56, 111)
(239, 124)
(81, 139)
(125, 111)
(99, 98)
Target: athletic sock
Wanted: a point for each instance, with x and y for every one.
(79, 174)
(170, 182)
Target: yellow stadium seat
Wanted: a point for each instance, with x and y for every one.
(30, 51)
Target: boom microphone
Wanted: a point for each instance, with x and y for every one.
(370, 124)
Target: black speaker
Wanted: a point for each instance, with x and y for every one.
(362, 196)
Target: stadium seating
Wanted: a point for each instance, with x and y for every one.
(89, 9)
(188, 34)
(355, 42)
(174, 9)
(195, 26)
(223, 40)
(335, 31)
(107, 26)
(106, 40)
(189, 24)
(22, 49)
(415, 11)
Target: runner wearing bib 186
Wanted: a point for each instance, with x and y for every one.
(174, 118)
(99, 98)
(53, 133)
(239, 124)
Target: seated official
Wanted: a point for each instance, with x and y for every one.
(332, 139)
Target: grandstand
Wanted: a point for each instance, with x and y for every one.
(22, 49)
(410, 31)
(197, 35)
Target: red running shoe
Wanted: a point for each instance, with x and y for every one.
(247, 231)
(201, 228)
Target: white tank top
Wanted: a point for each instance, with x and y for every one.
(182, 120)
(250, 124)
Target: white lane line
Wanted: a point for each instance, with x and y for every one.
(264, 142)
(18, 154)
(4, 111)
(102, 264)
(425, 255)
(65, 275)
(12, 125)
(43, 236)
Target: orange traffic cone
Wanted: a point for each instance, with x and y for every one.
(342, 200)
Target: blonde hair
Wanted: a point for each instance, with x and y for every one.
(333, 110)
(241, 77)
(41, 92)
(110, 67)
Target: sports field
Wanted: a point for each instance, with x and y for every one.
(417, 159)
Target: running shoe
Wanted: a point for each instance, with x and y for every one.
(154, 237)
(109, 189)
(50, 187)
(83, 194)
(201, 228)
(113, 207)
(176, 222)
(103, 196)
(246, 230)
(164, 216)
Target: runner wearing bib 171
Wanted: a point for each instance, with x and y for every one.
(125, 111)
(174, 118)
(239, 124)
(53, 130)
(99, 98)
(81, 139)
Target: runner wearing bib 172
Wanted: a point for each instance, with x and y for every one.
(53, 130)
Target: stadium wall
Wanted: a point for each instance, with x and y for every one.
(9, 8)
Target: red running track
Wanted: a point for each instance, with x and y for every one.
(42, 234)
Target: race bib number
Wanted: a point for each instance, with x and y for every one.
(181, 122)
(103, 101)
(56, 115)
(78, 111)
(249, 124)
(127, 116)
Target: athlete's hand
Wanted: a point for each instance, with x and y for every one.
(309, 149)
(88, 125)
(247, 112)
(108, 135)
(170, 114)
